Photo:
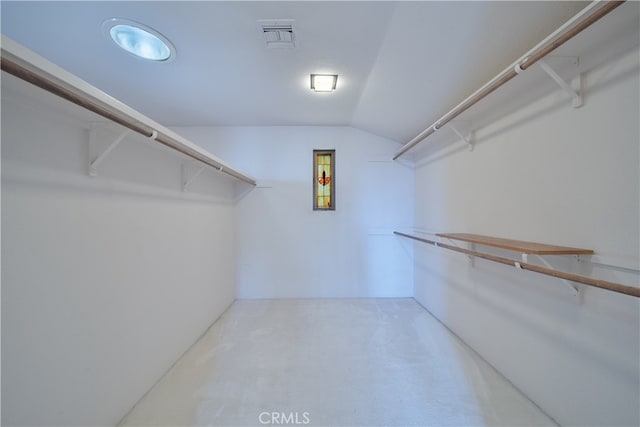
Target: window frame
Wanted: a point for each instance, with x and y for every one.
(332, 182)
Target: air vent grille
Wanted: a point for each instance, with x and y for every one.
(278, 34)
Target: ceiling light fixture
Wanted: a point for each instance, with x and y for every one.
(139, 40)
(324, 82)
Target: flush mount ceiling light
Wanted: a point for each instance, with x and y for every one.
(139, 40)
(323, 82)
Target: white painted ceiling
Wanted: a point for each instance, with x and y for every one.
(401, 64)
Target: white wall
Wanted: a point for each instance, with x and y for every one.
(547, 173)
(106, 281)
(284, 248)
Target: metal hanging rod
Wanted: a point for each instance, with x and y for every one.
(590, 14)
(602, 284)
(27, 65)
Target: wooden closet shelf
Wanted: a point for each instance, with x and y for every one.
(516, 245)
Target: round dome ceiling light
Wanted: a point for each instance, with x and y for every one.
(139, 40)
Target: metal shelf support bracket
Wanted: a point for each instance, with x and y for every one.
(472, 246)
(93, 165)
(575, 289)
(576, 96)
(466, 139)
(186, 179)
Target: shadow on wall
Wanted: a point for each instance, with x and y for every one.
(125, 162)
(596, 81)
(551, 317)
(500, 289)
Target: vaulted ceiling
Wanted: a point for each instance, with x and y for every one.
(401, 65)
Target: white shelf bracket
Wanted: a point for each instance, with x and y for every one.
(576, 96)
(575, 290)
(472, 246)
(93, 165)
(466, 139)
(472, 259)
(186, 179)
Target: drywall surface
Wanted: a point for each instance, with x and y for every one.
(106, 281)
(553, 174)
(287, 250)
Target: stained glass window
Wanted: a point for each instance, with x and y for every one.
(324, 180)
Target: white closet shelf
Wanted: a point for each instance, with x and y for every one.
(585, 18)
(527, 248)
(516, 245)
(25, 64)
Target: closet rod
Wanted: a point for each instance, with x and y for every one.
(26, 65)
(575, 25)
(602, 284)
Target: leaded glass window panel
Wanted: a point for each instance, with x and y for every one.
(324, 180)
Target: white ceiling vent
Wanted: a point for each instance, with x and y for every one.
(278, 33)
